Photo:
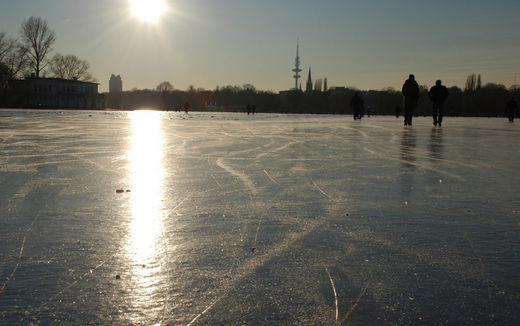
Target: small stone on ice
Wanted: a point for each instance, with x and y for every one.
(118, 277)
(127, 190)
(119, 191)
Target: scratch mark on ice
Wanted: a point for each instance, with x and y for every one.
(245, 179)
(355, 304)
(321, 190)
(205, 310)
(10, 277)
(335, 294)
(270, 178)
(258, 228)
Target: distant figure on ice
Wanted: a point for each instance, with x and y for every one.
(438, 95)
(248, 109)
(253, 109)
(186, 107)
(511, 108)
(410, 92)
(357, 105)
(397, 111)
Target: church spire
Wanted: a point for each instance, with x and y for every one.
(308, 87)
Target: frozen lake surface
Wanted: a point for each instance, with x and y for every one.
(232, 219)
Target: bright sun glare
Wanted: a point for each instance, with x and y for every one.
(148, 10)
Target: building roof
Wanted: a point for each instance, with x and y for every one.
(58, 80)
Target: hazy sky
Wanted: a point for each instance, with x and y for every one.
(364, 43)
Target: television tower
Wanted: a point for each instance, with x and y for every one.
(296, 69)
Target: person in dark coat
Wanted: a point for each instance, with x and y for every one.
(438, 95)
(410, 92)
(357, 105)
(511, 108)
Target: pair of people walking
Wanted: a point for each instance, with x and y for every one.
(437, 94)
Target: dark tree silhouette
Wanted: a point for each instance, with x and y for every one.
(38, 39)
(70, 67)
(164, 86)
(473, 83)
(13, 59)
(6, 44)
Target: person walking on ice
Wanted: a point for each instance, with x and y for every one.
(511, 108)
(357, 104)
(438, 95)
(410, 92)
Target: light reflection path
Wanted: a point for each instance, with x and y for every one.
(144, 246)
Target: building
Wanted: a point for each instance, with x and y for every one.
(55, 93)
(115, 85)
(308, 86)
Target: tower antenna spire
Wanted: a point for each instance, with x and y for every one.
(297, 69)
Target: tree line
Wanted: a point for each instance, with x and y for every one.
(483, 101)
(29, 55)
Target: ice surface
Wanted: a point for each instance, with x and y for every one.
(265, 219)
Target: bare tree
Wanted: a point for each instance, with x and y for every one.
(471, 82)
(6, 45)
(164, 86)
(13, 59)
(70, 67)
(249, 87)
(38, 39)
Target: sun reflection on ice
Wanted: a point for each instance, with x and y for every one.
(146, 170)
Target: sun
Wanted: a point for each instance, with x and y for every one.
(148, 10)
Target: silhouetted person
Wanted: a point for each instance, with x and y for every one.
(186, 107)
(253, 109)
(357, 105)
(248, 109)
(438, 95)
(410, 92)
(511, 108)
(397, 111)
